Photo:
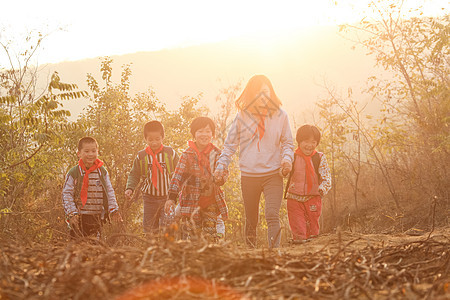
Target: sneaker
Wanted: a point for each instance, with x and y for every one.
(298, 242)
(311, 237)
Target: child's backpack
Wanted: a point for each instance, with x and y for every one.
(316, 158)
(168, 153)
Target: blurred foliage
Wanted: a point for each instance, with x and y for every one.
(32, 125)
(402, 152)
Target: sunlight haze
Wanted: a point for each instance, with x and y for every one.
(99, 28)
(187, 48)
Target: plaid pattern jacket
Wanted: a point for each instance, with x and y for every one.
(187, 180)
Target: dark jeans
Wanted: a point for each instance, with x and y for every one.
(90, 225)
(153, 212)
(272, 187)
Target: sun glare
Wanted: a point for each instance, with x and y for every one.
(99, 28)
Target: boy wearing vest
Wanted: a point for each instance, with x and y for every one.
(308, 182)
(88, 196)
(201, 198)
(155, 165)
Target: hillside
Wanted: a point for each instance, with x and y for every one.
(297, 63)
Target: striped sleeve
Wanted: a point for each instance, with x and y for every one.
(68, 200)
(112, 202)
(324, 172)
(177, 178)
(135, 174)
(231, 144)
(176, 158)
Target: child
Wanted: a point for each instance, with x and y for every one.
(261, 130)
(201, 198)
(88, 196)
(155, 165)
(308, 182)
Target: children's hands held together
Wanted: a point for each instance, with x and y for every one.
(128, 194)
(220, 176)
(286, 167)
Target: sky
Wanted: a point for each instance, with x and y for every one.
(86, 29)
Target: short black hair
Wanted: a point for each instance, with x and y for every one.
(202, 122)
(86, 140)
(306, 131)
(153, 126)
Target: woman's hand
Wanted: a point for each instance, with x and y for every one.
(286, 167)
(220, 176)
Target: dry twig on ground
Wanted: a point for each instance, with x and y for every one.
(183, 270)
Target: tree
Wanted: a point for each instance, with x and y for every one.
(334, 137)
(177, 123)
(31, 119)
(413, 131)
(32, 123)
(226, 99)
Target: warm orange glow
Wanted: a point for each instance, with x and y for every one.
(181, 288)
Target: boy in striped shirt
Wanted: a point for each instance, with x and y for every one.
(88, 196)
(155, 165)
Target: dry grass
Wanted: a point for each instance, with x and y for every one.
(336, 266)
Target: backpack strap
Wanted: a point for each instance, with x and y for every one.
(75, 173)
(169, 153)
(144, 162)
(103, 172)
(316, 158)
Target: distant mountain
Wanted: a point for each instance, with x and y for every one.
(298, 63)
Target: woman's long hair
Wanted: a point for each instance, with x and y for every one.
(249, 99)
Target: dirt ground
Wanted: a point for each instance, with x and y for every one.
(357, 241)
(342, 265)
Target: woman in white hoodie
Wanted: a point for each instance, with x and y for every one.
(262, 132)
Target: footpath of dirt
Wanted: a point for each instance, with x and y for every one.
(333, 266)
(357, 241)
